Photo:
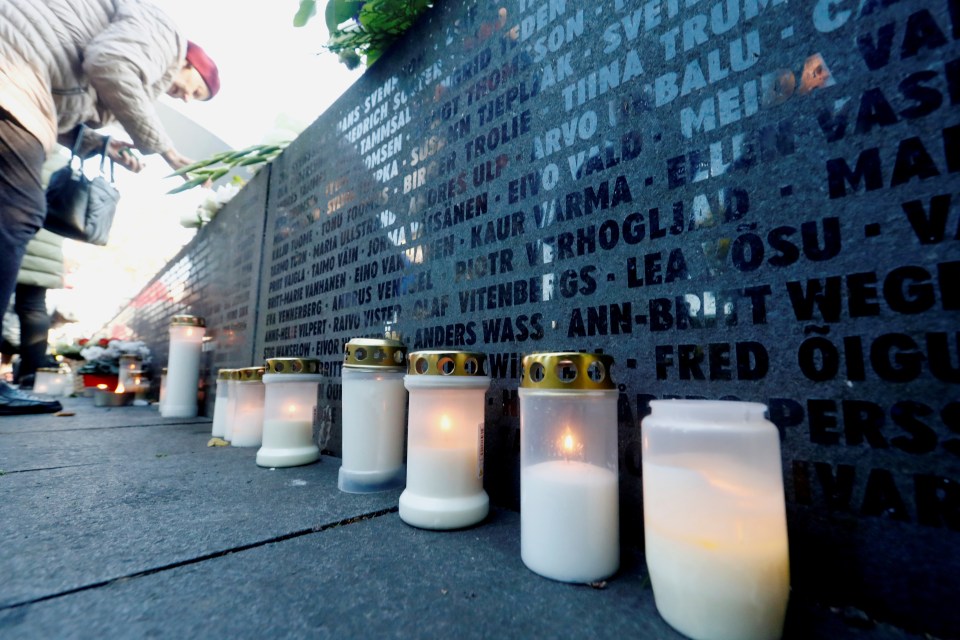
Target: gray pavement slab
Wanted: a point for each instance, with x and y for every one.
(93, 504)
(124, 524)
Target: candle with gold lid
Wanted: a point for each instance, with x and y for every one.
(248, 417)
(220, 404)
(374, 410)
(445, 440)
(290, 401)
(569, 513)
(183, 367)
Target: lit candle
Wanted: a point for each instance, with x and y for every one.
(374, 415)
(130, 366)
(183, 367)
(290, 402)
(715, 520)
(247, 428)
(445, 440)
(220, 403)
(569, 513)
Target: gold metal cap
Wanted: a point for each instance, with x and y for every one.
(224, 374)
(292, 365)
(447, 363)
(49, 370)
(187, 321)
(567, 370)
(374, 352)
(250, 374)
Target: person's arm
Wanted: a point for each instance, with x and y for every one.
(127, 63)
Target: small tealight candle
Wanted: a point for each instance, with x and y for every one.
(183, 367)
(51, 381)
(220, 404)
(130, 366)
(569, 483)
(289, 406)
(374, 415)
(445, 440)
(714, 519)
(247, 428)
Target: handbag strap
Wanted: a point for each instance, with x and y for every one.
(103, 158)
(75, 152)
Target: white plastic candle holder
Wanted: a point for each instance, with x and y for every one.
(569, 481)
(247, 428)
(714, 518)
(289, 407)
(52, 381)
(232, 376)
(183, 367)
(163, 390)
(220, 404)
(445, 440)
(374, 415)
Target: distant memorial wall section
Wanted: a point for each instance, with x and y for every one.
(734, 198)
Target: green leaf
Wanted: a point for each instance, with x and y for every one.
(189, 184)
(308, 9)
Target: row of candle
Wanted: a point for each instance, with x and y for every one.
(714, 514)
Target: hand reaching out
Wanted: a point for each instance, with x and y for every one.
(175, 160)
(123, 154)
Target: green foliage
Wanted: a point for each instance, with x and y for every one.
(361, 29)
(218, 165)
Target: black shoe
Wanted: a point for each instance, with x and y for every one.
(14, 402)
(25, 382)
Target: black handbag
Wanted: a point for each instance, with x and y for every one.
(78, 207)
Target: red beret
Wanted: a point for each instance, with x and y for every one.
(207, 68)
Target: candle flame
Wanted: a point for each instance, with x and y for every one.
(568, 443)
(119, 388)
(292, 409)
(101, 386)
(445, 423)
(190, 331)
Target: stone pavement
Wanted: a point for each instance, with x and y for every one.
(118, 523)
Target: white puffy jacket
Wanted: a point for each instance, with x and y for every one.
(65, 62)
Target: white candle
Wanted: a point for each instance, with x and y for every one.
(290, 397)
(374, 416)
(443, 472)
(716, 549)
(287, 443)
(570, 520)
(445, 441)
(247, 428)
(219, 428)
(183, 368)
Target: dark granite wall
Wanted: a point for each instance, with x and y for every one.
(735, 198)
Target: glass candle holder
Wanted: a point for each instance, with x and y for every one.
(569, 478)
(289, 407)
(183, 367)
(52, 381)
(374, 415)
(445, 440)
(130, 367)
(230, 415)
(163, 390)
(247, 428)
(220, 404)
(714, 519)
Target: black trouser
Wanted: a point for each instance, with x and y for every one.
(23, 204)
(30, 304)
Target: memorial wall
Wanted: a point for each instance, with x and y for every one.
(747, 199)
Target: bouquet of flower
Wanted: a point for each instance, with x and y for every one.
(104, 357)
